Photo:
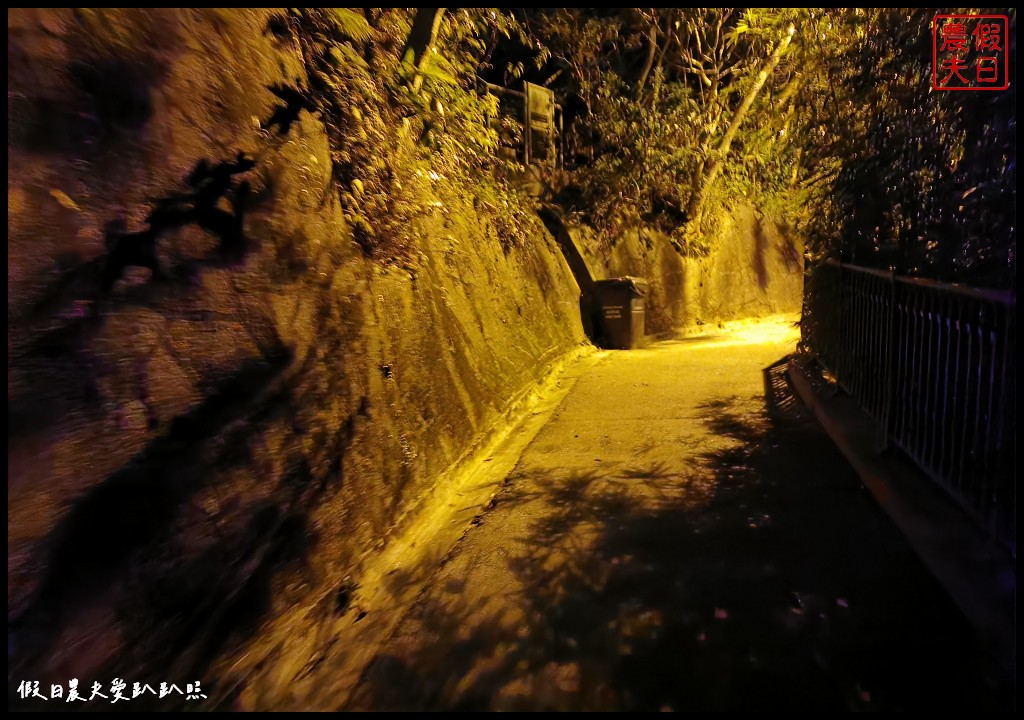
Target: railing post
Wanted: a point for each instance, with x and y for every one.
(891, 358)
(1004, 496)
(841, 324)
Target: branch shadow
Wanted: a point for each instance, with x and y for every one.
(179, 581)
(185, 583)
(105, 529)
(764, 579)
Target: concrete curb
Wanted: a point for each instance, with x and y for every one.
(981, 578)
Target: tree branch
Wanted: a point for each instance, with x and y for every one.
(714, 165)
(652, 49)
(421, 36)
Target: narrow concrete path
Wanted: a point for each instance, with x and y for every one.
(665, 544)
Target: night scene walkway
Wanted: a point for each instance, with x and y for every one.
(664, 543)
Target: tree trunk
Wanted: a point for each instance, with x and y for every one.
(714, 164)
(652, 50)
(421, 37)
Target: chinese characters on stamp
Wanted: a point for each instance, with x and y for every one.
(969, 52)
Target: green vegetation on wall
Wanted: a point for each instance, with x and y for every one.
(409, 133)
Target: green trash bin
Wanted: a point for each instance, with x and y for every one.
(620, 312)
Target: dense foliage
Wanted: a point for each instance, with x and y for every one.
(410, 135)
(824, 118)
(845, 139)
(926, 180)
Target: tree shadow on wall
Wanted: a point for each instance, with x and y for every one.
(56, 353)
(186, 582)
(183, 580)
(766, 579)
(759, 259)
(104, 529)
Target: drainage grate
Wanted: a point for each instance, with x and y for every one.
(780, 397)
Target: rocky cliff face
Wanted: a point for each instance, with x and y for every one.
(217, 403)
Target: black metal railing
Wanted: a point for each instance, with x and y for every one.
(934, 364)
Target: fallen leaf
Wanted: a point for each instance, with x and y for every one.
(62, 197)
